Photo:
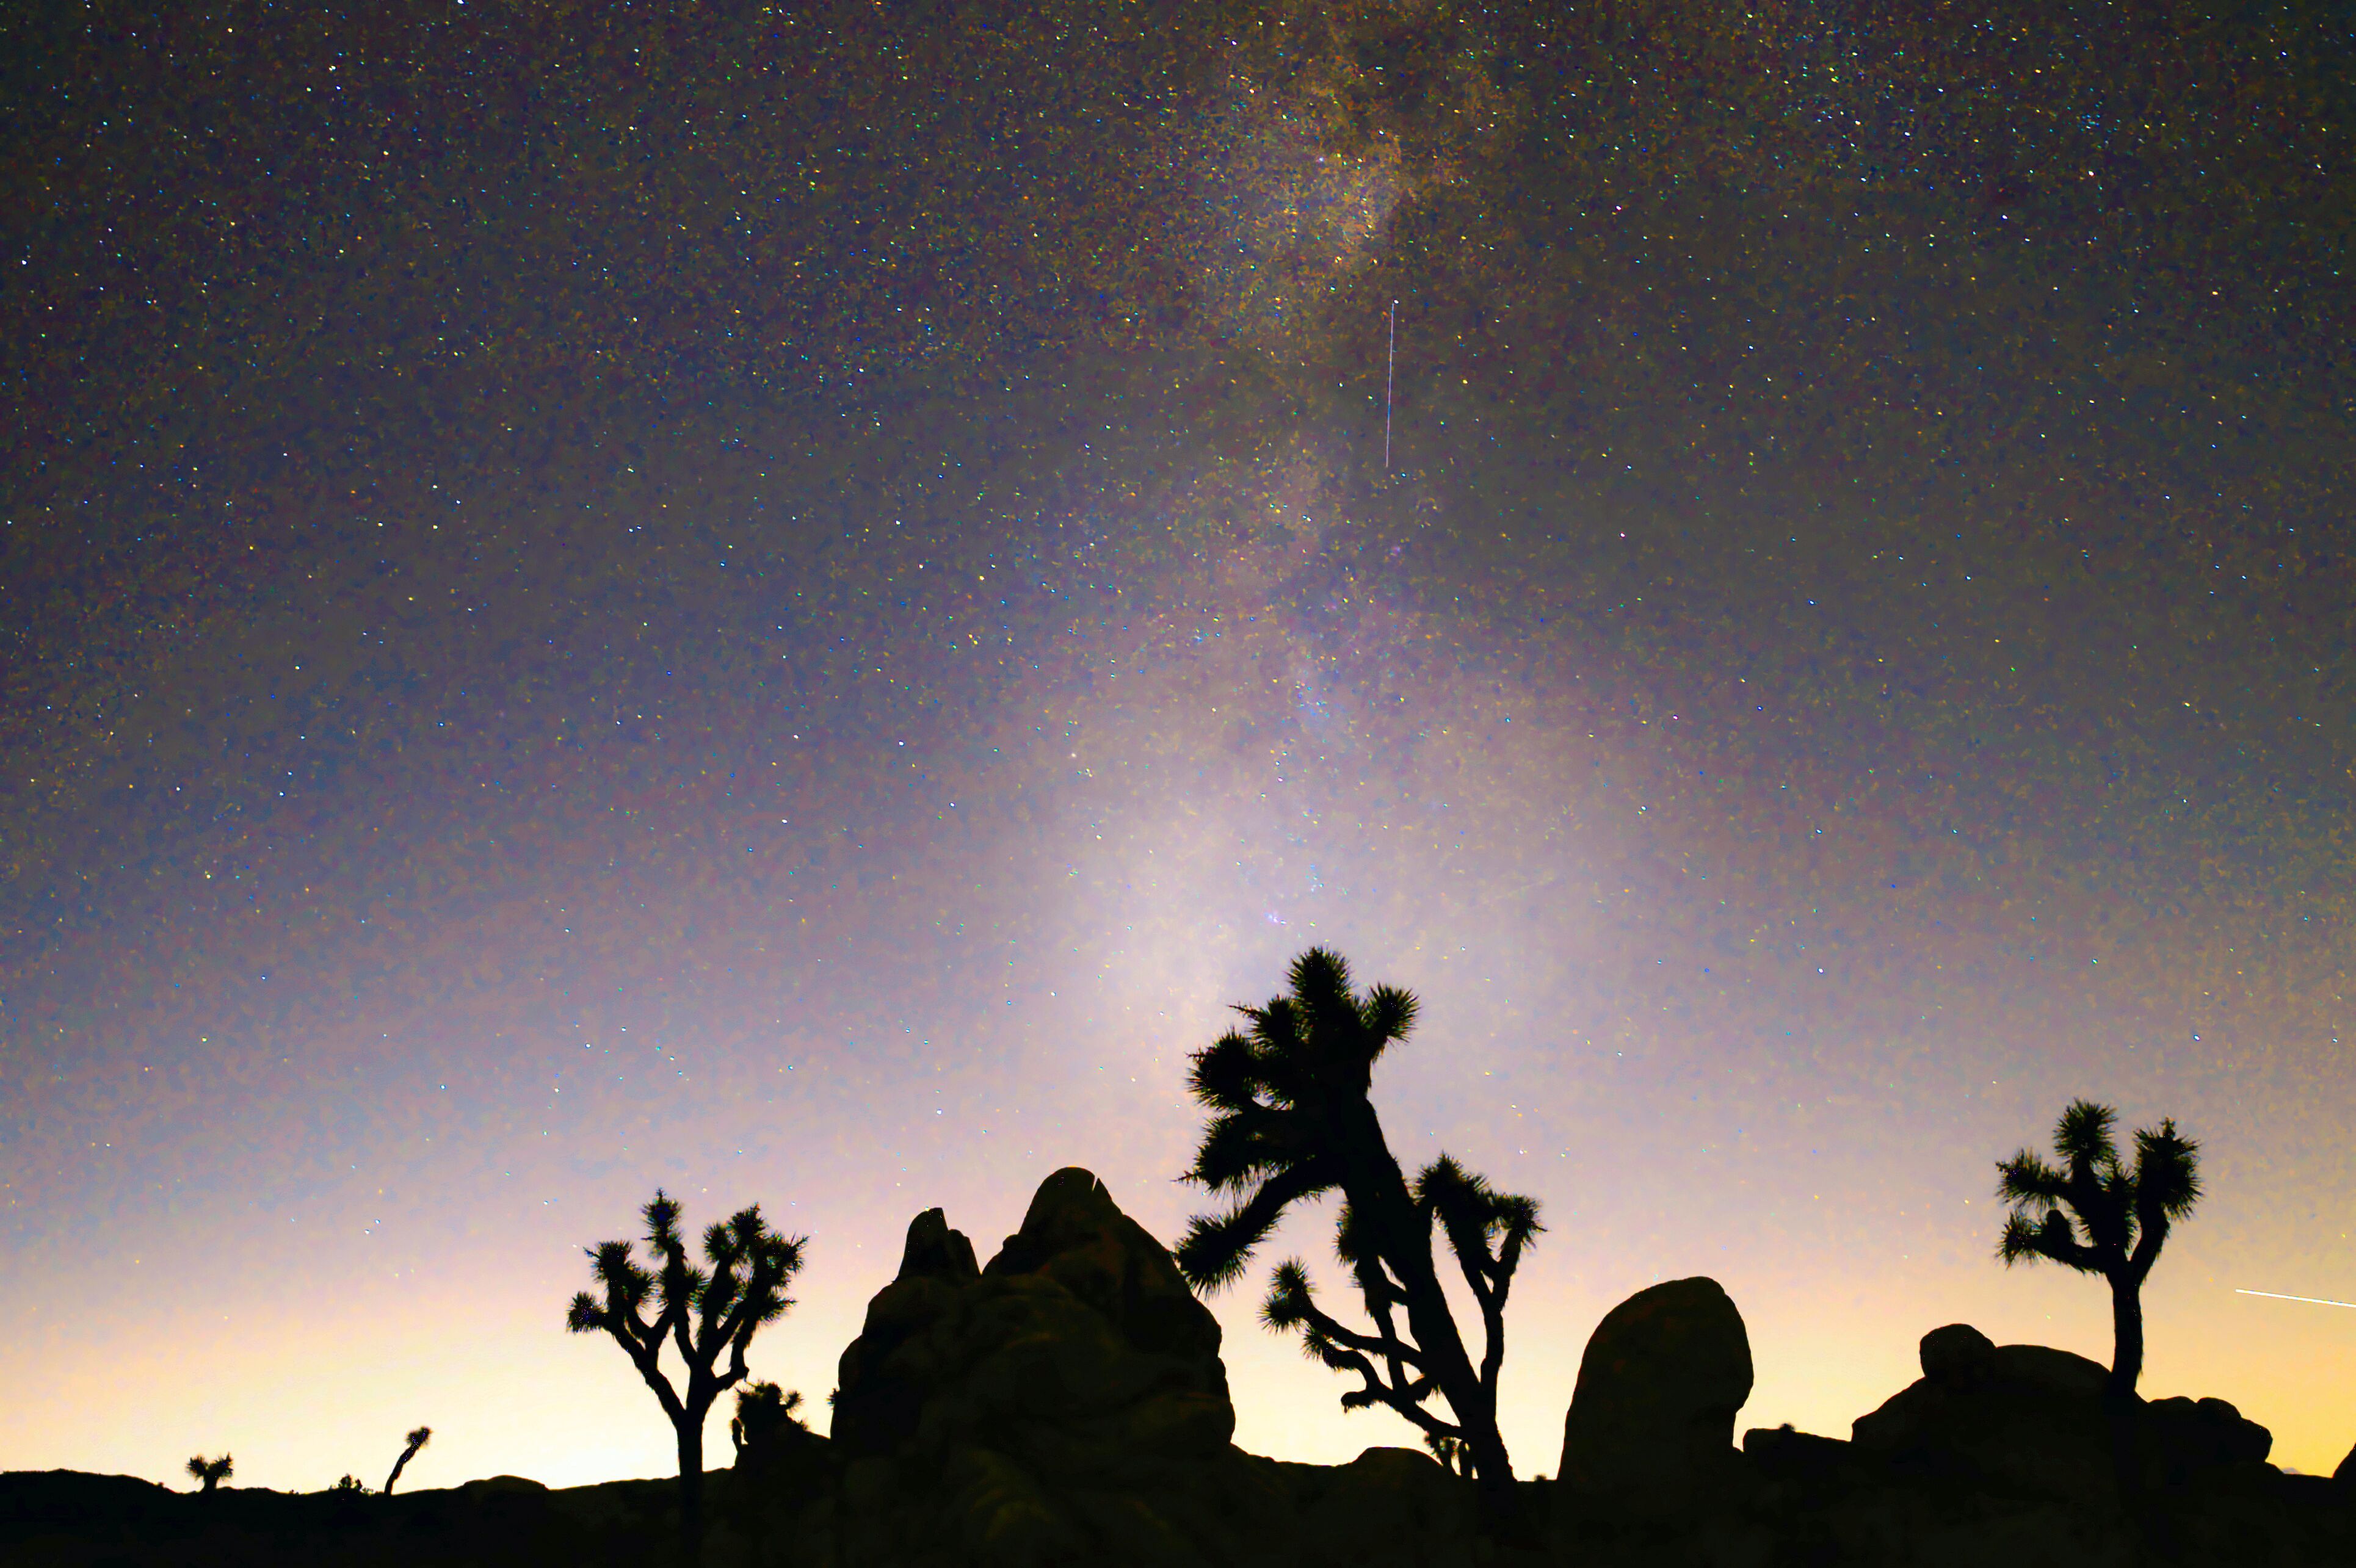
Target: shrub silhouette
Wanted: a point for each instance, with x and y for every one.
(698, 1312)
(766, 1429)
(418, 1438)
(1453, 1456)
(763, 1411)
(1292, 1119)
(348, 1482)
(211, 1472)
(2117, 1218)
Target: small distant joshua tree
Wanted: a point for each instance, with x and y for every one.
(2117, 1216)
(699, 1312)
(418, 1438)
(1291, 1119)
(211, 1472)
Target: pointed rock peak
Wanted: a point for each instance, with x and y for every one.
(1076, 1235)
(1071, 1209)
(1071, 1206)
(935, 1251)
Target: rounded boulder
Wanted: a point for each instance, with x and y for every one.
(1651, 1425)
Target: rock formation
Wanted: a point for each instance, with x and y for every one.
(2020, 1419)
(1651, 1426)
(1064, 1404)
(2029, 1421)
(1957, 1356)
(1388, 1506)
(2021, 1453)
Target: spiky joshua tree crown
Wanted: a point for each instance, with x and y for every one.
(2099, 1216)
(700, 1309)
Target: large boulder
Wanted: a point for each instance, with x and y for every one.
(2032, 1421)
(1064, 1404)
(1957, 1356)
(2024, 1419)
(2183, 1438)
(1651, 1427)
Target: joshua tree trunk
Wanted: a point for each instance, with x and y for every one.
(418, 1438)
(691, 1489)
(1452, 1368)
(1435, 1334)
(2127, 1333)
(1406, 1246)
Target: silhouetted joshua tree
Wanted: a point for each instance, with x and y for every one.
(211, 1472)
(418, 1438)
(1291, 1120)
(699, 1313)
(2121, 1215)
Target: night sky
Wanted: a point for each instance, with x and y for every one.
(789, 601)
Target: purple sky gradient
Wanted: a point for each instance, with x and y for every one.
(507, 705)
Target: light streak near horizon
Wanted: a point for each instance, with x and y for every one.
(2278, 1295)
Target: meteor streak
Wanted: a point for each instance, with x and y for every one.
(2278, 1295)
(1390, 369)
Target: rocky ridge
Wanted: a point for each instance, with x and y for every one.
(1066, 1404)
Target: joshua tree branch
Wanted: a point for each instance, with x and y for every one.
(1382, 1292)
(644, 1356)
(1492, 1339)
(2154, 1236)
(677, 1313)
(1473, 1260)
(1214, 1250)
(1386, 1344)
(2097, 1206)
(2050, 1242)
(1509, 1258)
(1480, 1271)
(760, 1300)
(2167, 1186)
(1405, 1397)
(2026, 1178)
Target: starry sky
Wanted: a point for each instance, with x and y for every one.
(789, 601)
